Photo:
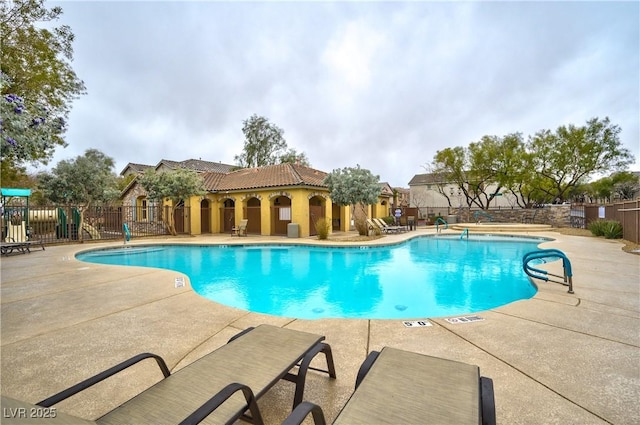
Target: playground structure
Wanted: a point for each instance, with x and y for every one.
(22, 222)
(15, 214)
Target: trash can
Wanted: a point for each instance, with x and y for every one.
(411, 221)
(293, 230)
(452, 219)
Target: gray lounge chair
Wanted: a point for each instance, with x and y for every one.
(387, 228)
(400, 387)
(209, 388)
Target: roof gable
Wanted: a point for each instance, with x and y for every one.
(133, 168)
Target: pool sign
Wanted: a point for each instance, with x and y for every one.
(416, 323)
(464, 319)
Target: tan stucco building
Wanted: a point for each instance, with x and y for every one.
(269, 197)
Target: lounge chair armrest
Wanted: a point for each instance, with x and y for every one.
(366, 365)
(488, 401)
(214, 402)
(62, 395)
(301, 411)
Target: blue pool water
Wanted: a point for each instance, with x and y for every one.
(423, 277)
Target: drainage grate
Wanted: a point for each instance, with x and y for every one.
(464, 319)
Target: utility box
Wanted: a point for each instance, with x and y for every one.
(452, 219)
(293, 230)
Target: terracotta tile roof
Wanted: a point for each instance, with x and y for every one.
(264, 177)
(212, 181)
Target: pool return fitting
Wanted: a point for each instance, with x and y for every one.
(544, 254)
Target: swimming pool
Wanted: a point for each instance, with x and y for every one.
(423, 277)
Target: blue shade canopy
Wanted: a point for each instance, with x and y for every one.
(15, 192)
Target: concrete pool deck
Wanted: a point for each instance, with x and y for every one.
(557, 358)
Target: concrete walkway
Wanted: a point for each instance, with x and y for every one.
(554, 359)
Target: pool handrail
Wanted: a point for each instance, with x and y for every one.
(465, 232)
(478, 213)
(443, 221)
(542, 274)
(126, 232)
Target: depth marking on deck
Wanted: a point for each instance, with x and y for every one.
(179, 282)
(464, 319)
(416, 323)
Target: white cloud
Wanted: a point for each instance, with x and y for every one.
(383, 84)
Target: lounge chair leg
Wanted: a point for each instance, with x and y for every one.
(301, 377)
(366, 365)
(487, 401)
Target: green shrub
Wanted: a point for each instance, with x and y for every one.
(389, 220)
(323, 227)
(610, 229)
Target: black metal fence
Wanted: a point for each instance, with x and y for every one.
(71, 224)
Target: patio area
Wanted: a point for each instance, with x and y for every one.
(557, 358)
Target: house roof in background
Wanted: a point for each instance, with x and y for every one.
(386, 189)
(135, 168)
(420, 179)
(197, 165)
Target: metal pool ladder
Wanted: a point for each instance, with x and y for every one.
(443, 221)
(543, 254)
(465, 232)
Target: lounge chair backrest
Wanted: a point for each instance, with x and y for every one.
(381, 223)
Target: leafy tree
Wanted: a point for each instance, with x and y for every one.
(293, 157)
(176, 186)
(564, 159)
(264, 142)
(81, 182)
(626, 185)
(354, 186)
(38, 83)
(27, 135)
(482, 170)
(621, 185)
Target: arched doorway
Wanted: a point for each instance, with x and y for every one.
(335, 214)
(316, 211)
(280, 215)
(180, 218)
(252, 213)
(205, 216)
(227, 215)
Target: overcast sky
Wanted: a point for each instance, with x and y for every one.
(383, 85)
